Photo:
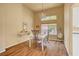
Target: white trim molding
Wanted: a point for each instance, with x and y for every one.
(2, 50)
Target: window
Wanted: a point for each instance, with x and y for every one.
(44, 18)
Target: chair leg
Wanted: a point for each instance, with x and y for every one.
(42, 45)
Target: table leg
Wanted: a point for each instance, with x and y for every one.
(42, 45)
(30, 43)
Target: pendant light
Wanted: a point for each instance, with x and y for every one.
(43, 14)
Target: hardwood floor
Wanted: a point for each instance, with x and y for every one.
(54, 49)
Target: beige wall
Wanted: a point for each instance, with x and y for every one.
(68, 28)
(12, 16)
(2, 46)
(37, 21)
(58, 11)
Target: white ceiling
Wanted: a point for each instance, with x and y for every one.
(40, 6)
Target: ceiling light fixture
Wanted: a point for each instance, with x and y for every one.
(43, 12)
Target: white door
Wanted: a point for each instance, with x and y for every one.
(44, 29)
(75, 29)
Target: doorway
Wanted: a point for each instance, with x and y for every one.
(50, 30)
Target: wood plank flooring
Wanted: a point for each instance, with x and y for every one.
(54, 49)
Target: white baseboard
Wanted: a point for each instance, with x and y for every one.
(2, 50)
